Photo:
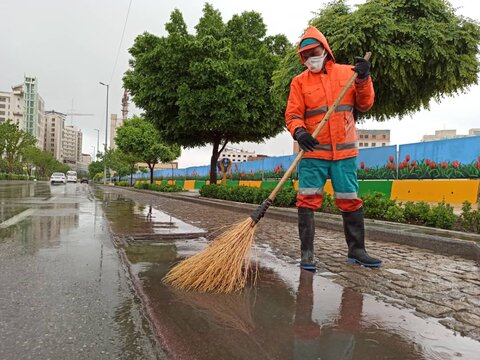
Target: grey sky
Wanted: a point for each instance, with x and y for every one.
(71, 45)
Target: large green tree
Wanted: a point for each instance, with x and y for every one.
(122, 163)
(212, 87)
(13, 143)
(43, 162)
(421, 50)
(141, 140)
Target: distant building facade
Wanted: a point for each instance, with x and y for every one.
(365, 139)
(116, 122)
(26, 108)
(72, 145)
(54, 128)
(373, 138)
(236, 155)
(450, 134)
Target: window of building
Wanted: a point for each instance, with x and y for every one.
(374, 136)
(374, 144)
(366, 136)
(2, 106)
(361, 136)
(365, 144)
(384, 136)
(360, 144)
(383, 144)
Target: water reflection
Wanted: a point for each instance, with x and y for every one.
(309, 319)
(344, 336)
(142, 222)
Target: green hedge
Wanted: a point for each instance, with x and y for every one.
(248, 194)
(156, 187)
(376, 206)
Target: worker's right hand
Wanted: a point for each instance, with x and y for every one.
(306, 141)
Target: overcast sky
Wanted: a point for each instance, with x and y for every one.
(72, 45)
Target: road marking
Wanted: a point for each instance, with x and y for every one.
(17, 218)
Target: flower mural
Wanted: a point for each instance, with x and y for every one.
(429, 169)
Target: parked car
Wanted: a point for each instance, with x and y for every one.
(58, 178)
(71, 176)
(84, 181)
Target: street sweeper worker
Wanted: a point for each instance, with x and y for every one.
(333, 153)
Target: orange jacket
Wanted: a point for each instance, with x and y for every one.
(311, 94)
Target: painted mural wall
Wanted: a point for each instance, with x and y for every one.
(442, 159)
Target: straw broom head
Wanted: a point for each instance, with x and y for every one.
(223, 267)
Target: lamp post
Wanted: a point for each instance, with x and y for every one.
(106, 132)
(98, 137)
(94, 154)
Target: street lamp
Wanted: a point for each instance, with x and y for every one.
(106, 131)
(98, 136)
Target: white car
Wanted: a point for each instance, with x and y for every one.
(72, 176)
(58, 178)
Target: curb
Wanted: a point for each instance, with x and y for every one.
(441, 241)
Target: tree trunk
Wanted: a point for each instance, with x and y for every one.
(151, 167)
(213, 162)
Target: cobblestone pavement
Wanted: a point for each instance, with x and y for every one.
(444, 287)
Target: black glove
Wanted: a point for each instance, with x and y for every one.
(306, 141)
(362, 67)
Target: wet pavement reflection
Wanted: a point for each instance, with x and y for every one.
(63, 290)
(290, 314)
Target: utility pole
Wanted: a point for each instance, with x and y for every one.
(106, 139)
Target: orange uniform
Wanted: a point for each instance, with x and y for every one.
(311, 94)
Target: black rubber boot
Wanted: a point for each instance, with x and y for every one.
(306, 231)
(354, 228)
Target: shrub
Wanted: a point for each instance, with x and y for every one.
(247, 194)
(158, 187)
(441, 216)
(395, 213)
(470, 219)
(122, 183)
(416, 212)
(376, 205)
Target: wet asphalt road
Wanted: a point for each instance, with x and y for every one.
(67, 293)
(63, 290)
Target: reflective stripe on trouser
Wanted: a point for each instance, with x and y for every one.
(313, 174)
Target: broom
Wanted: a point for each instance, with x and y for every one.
(224, 266)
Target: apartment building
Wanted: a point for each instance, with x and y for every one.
(54, 128)
(72, 144)
(26, 108)
(373, 138)
(365, 139)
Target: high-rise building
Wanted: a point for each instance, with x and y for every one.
(54, 127)
(115, 122)
(72, 145)
(26, 108)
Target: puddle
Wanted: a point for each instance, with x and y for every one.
(291, 314)
(143, 222)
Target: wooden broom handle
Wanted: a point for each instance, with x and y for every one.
(319, 127)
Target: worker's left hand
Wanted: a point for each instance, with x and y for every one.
(362, 67)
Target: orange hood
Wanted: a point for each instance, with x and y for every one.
(312, 32)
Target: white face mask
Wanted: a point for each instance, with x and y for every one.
(315, 63)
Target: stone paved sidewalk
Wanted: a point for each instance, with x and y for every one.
(444, 287)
